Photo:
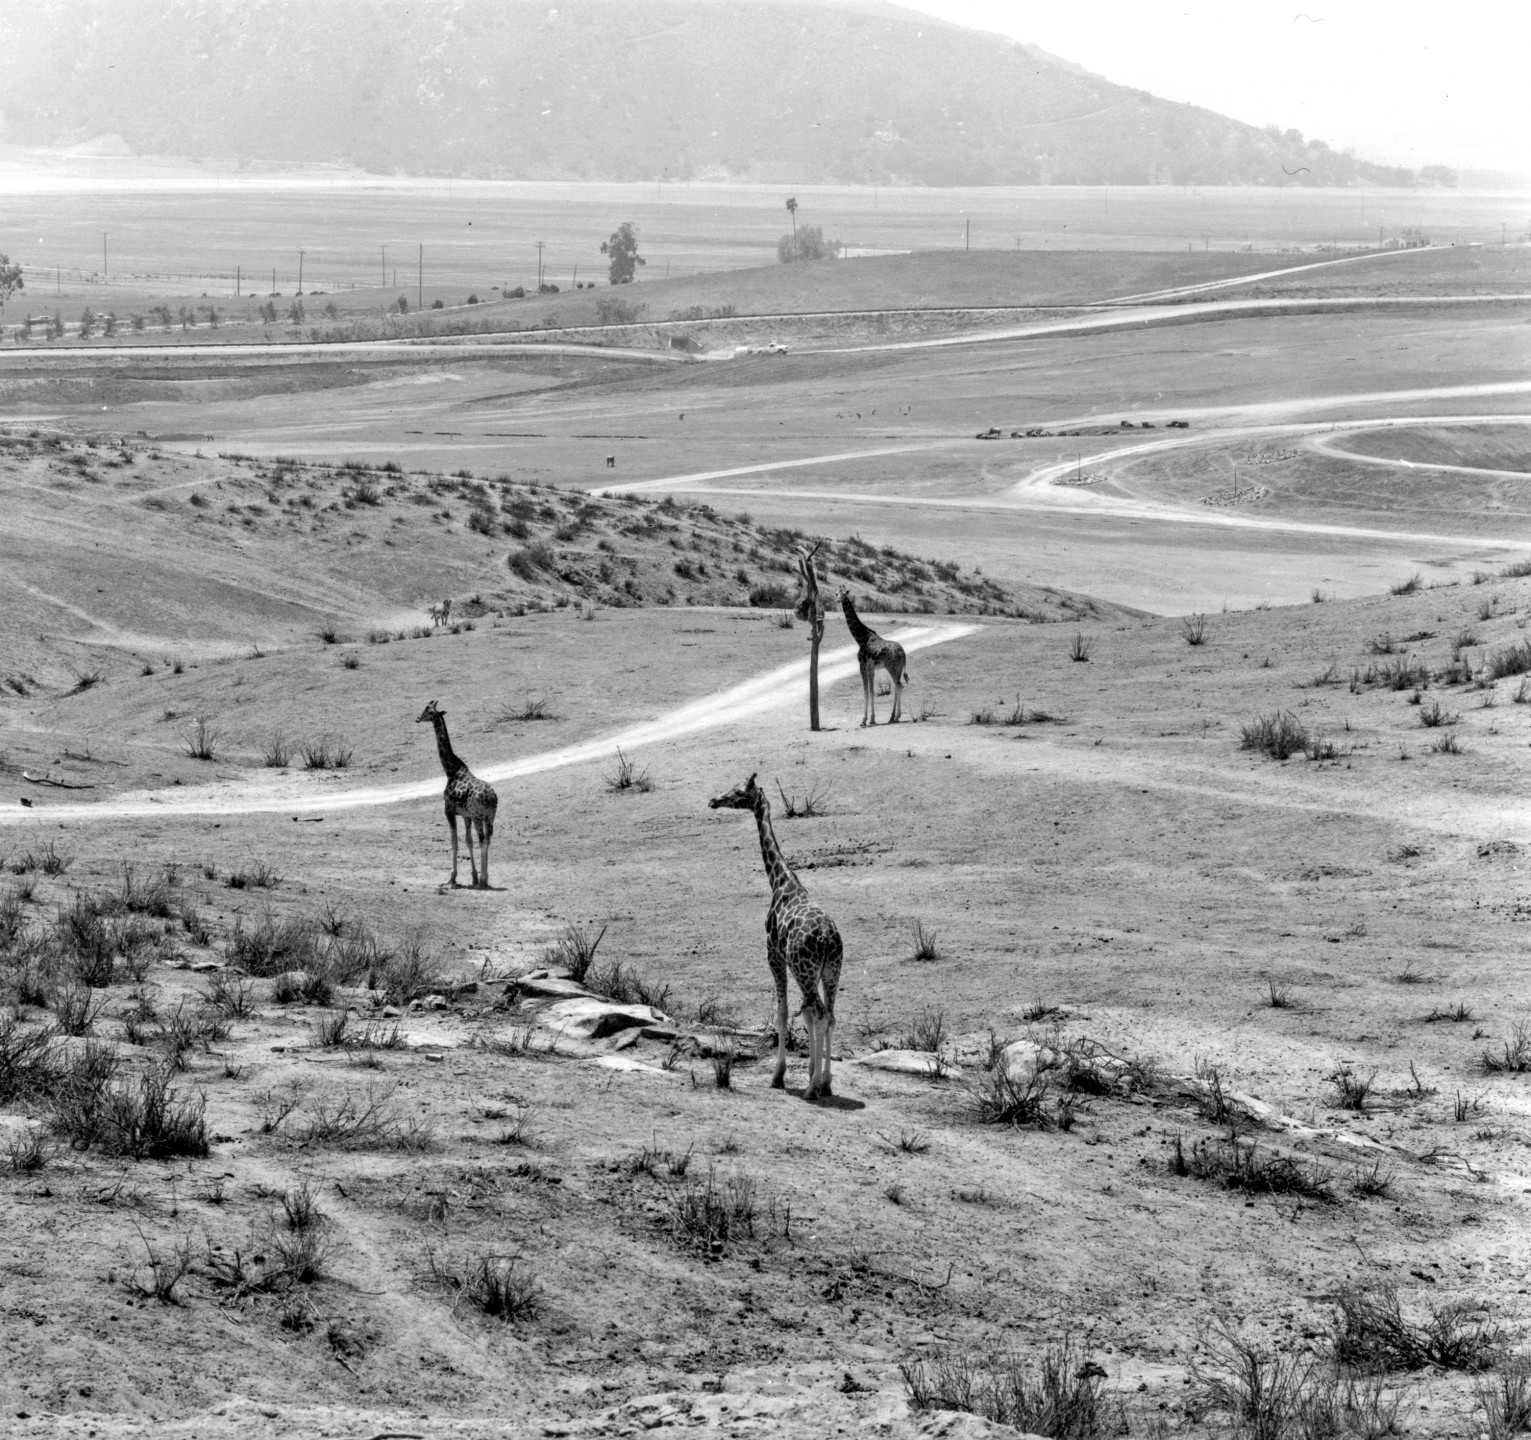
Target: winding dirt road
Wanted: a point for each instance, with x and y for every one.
(1036, 490)
(785, 685)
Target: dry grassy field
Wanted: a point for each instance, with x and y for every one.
(1181, 1047)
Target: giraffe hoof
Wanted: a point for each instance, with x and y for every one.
(778, 1082)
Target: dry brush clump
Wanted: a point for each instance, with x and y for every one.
(1261, 1394)
(1058, 1394)
(1372, 1334)
(499, 1286)
(1238, 1163)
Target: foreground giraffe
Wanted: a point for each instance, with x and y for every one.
(466, 795)
(801, 938)
(871, 651)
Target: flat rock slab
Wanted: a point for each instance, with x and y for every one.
(551, 986)
(906, 1062)
(629, 1064)
(593, 1019)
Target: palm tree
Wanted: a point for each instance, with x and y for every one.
(792, 211)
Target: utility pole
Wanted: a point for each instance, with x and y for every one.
(273, 279)
(103, 255)
(300, 272)
(539, 244)
(238, 277)
(384, 249)
(420, 281)
(967, 235)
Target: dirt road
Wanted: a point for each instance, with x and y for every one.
(778, 687)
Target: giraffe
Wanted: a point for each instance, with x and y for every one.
(871, 651)
(801, 938)
(441, 613)
(466, 795)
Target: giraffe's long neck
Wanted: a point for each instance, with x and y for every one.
(858, 626)
(449, 761)
(783, 881)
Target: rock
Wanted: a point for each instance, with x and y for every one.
(907, 1062)
(960, 1425)
(594, 1019)
(628, 1063)
(541, 984)
(1026, 1057)
(429, 1002)
(419, 1040)
(391, 1012)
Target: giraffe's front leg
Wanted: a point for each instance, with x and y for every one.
(868, 694)
(452, 824)
(485, 831)
(779, 978)
(898, 700)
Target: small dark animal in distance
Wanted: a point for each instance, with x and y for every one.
(1178, 425)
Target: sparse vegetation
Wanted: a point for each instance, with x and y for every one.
(202, 739)
(627, 776)
(1279, 736)
(1059, 1394)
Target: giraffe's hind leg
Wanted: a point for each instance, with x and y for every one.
(452, 824)
(813, 1014)
(467, 835)
(829, 983)
(868, 693)
(897, 676)
(485, 835)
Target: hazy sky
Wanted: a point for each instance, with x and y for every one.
(1402, 81)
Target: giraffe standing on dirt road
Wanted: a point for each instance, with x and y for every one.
(466, 795)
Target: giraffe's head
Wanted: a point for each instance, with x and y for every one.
(430, 713)
(741, 797)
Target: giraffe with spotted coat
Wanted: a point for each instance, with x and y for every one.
(873, 651)
(466, 795)
(800, 938)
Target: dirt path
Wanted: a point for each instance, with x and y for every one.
(1145, 318)
(1206, 285)
(773, 688)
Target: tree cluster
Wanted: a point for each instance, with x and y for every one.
(806, 243)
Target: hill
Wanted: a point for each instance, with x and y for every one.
(196, 557)
(615, 90)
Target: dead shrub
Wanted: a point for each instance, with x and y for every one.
(1060, 1395)
(1371, 1333)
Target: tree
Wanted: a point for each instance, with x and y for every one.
(805, 244)
(810, 608)
(623, 250)
(792, 211)
(10, 279)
